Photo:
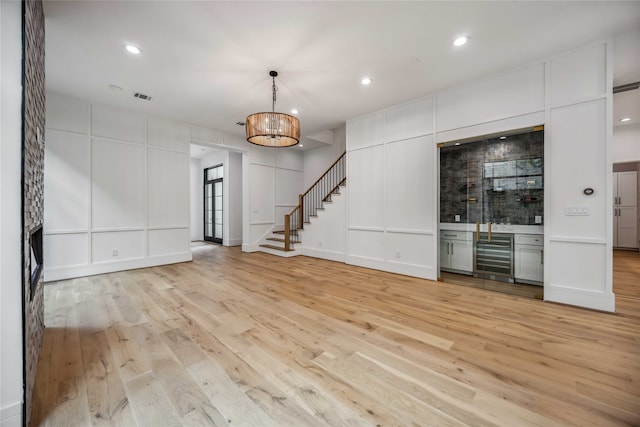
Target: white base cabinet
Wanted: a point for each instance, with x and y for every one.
(529, 258)
(456, 251)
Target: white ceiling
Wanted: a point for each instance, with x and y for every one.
(207, 63)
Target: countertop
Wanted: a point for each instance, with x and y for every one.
(496, 228)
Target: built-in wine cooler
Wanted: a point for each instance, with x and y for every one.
(493, 256)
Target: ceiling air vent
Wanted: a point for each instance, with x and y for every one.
(142, 96)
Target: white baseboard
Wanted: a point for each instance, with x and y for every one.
(324, 254)
(422, 272)
(70, 272)
(577, 297)
(232, 242)
(11, 415)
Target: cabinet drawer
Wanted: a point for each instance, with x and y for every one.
(529, 239)
(455, 235)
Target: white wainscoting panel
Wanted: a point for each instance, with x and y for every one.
(261, 193)
(168, 188)
(262, 156)
(512, 94)
(326, 236)
(502, 125)
(287, 159)
(118, 190)
(113, 123)
(576, 161)
(168, 134)
(168, 241)
(127, 244)
(366, 184)
(67, 114)
(410, 120)
(288, 186)
(62, 250)
(366, 131)
(408, 248)
(578, 75)
(366, 244)
(579, 276)
(410, 190)
(66, 189)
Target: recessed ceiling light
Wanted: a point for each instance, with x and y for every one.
(300, 145)
(625, 119)
(366, 81)
(294, 111)
(132, 49)
(503, 137)
(462, 40)
(457, 143)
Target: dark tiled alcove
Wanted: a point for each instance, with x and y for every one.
(498, 179)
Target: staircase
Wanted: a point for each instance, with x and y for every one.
(282, 242)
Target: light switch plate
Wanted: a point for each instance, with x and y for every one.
(457, 218)
(538, 219)
(577, 211)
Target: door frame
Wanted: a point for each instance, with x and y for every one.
(206, 182)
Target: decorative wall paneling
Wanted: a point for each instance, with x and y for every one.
(390, 159)
(117, 189)
(576, 113)
(578, 249)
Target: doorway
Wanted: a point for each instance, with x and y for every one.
(492, 212)
(213, 206)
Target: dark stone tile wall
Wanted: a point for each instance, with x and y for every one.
(493, 179)
(33, 184)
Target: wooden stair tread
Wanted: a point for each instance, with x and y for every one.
(276, 239)
(278, 248)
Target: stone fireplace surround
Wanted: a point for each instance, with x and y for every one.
(32, 188)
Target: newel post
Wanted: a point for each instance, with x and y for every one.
(300, 211)
(287, 231)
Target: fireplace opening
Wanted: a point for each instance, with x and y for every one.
(35, 241)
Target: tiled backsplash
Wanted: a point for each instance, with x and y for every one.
(498, 180)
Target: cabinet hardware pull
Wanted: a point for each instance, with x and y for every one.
(452, 249)
(477, 231)
(542, 257)
(489, 231)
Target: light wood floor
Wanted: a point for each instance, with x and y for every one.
(257, 340)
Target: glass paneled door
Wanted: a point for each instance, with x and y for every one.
(213, 178)
(491, 211)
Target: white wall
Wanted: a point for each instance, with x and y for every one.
(318, 160)
(275, 179)
(578, 250)
(392, 198)
(324, 237)
(392, 218)
(197, 225)
(232, 194)
(626, 143)
(271, 180)
(10, 211)
(116, 189)
(234, 184)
